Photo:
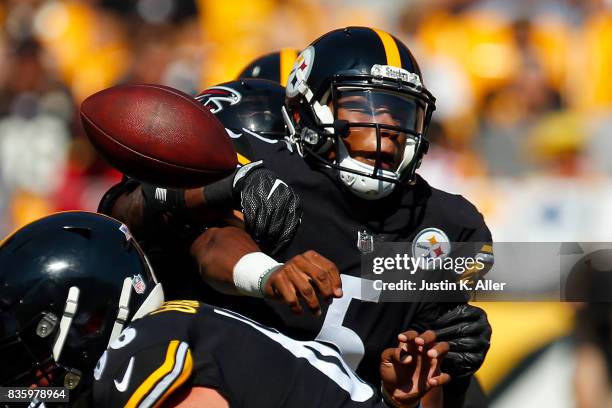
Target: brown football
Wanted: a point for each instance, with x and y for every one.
(159, 135)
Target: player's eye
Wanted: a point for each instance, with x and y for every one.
(354, 107)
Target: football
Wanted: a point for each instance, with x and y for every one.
(158, 135)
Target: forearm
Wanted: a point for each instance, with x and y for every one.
(217, 251)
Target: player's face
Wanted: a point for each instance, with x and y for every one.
(377, 107)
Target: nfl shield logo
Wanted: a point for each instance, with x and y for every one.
(365, 242)
(138, 284)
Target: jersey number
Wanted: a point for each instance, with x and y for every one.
(333, 366)
(346, 340)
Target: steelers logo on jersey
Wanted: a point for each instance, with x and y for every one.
(431, 243)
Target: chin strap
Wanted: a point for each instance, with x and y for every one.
(70, 309)
(123, 310)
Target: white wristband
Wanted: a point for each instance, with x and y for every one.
(250, 271)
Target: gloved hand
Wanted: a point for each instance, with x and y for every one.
(271, 209)
(468, 333)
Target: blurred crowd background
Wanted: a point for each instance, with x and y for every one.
(524, 92)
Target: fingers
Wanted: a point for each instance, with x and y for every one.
(426, 339)
(407, 336)
(387, 355)
(304, 288)
(279, 287)
(412, 344)
(460, 364)
(438, 350)
(328, 275)
(462, 313)
(296, 280)
(319, 277)
(475, 328)
(441, 379)
(471, 344)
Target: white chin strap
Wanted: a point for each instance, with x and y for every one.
(70, 309)
(365, 187)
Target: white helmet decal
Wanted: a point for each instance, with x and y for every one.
(296, 83)
(215, 97)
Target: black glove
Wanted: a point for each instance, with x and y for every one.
(272, 210)
(468, 333)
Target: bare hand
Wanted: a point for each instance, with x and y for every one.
(302, 277)
(411, 369)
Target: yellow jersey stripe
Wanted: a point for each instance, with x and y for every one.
(391, 50)
(184, 376)
(487, 248)
(287, 58)
(242, 160)
(152, 379)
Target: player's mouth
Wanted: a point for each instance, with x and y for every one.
(387, 160)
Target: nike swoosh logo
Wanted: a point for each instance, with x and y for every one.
(275, 186)
(123, 385)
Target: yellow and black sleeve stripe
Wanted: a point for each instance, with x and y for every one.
(158, 386)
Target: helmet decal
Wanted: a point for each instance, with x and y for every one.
(391, 72)
(216, 98)
(300, 72)
(139, 284)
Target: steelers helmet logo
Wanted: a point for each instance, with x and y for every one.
(300, 72)
(431, 243)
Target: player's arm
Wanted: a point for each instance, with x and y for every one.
(231, 262)
(410, 376)
(466, 327)
(149, 210)
(271, 209)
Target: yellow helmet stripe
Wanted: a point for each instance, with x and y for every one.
(287, 58)
(391, 50)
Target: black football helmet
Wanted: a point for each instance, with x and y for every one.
(378, 70)
(273, 67)
(69, 283)
(248, 106)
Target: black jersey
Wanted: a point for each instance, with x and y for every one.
(187, 343)
(335, 223)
